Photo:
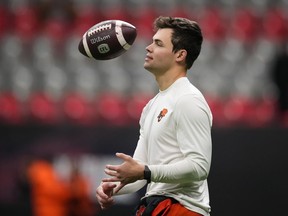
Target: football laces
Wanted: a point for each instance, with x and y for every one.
(99, 29)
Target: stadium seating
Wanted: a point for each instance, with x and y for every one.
(43, 77)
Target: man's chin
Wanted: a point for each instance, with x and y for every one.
(146, 66)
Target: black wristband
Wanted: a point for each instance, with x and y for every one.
(147, 174)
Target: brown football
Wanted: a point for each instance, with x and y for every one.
(108, 39)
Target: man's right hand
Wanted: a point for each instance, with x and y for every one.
(104, 194)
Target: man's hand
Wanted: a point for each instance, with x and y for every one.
(127, 172)
(104, 194)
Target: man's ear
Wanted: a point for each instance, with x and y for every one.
(181, 55)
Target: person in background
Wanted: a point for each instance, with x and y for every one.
(80, 203)
(174, 150)
(280, 79)
(49, 194)
(23, 185)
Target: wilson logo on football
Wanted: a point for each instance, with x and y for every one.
(99, 39)
(162, 114)
(98, 29)
(103, 48)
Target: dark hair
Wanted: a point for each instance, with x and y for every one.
(186, 35)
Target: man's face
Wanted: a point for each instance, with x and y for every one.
(160, 57)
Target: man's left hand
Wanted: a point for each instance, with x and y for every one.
(127, 172)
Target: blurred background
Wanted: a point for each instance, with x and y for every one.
(63, 116)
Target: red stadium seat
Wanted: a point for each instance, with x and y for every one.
(216, 106)
(112, 110)
(78, 109)
(135, 106)
(213, 24)
(263, 112)
(245, 25)
(237, 110)
(4, 21)
(143, 19)
(275, 25)
(115, 12)
(10, 109)
(43, 108)
(184, 11)
(85, 19)
(26, 23)
(57, 30)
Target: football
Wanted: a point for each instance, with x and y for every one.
(107, 40)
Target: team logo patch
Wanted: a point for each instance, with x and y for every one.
(103, 48)
(162, 114)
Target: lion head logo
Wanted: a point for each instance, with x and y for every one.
(162, 114)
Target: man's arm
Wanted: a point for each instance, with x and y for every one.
(193, 129)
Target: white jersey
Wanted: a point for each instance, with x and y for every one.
(175, 142)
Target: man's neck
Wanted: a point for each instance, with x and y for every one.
(166, 80)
